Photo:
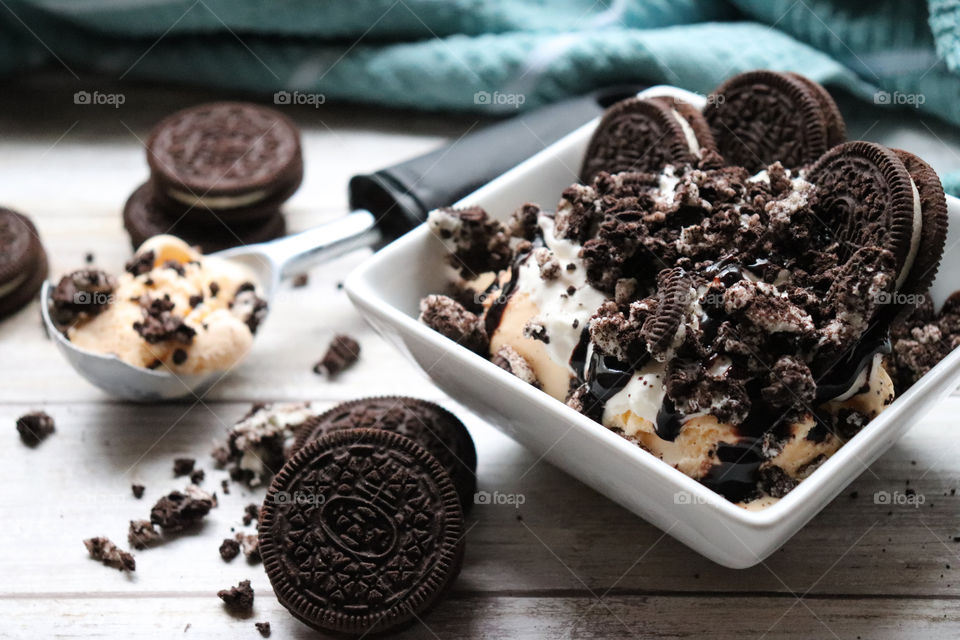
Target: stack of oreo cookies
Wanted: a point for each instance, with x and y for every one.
(219, 175)
(362, 530)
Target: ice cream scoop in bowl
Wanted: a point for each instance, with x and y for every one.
(152, 366)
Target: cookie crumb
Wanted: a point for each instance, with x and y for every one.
(250, 545)
(111, 555)
(138, 490)
(183, 466)
(34, 427)
(239, 598)
(229, 549)
(451, 319)
(342, 352)
(263, 628)
(250, 513)
(178, 510)
(301, 280)
(197, 476)
(142, 534)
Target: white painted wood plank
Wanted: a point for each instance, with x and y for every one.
(200, 615)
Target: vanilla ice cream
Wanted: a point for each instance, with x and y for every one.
(174, 310)
(679, 311)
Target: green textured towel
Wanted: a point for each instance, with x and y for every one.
(493, 55)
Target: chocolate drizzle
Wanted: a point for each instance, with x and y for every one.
(735, 477)
(604, 375)
(669, 420)
(495, 313)
(840, 376)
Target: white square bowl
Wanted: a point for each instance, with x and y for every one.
(388, 288)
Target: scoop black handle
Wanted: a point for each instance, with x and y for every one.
(401, 196)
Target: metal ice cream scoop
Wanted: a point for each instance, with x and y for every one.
(386, 205)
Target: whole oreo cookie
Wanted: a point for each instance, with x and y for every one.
(23, 261)
(429, 425)
(694, 118)
(145, 217)
(836, 127)
(865, 197)
(762, 117)
(361, 532)
(933, 235)
(225, 156)
(640, 135)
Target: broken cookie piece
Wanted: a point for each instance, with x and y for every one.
(342, 352)
(509, 360)
(183, 466)
(229, 549)
(238, 599)
(81, 295)
(142, 534)
(35, 427)
(259, 443)
(178, 510)
(111, 555)
(448, 317)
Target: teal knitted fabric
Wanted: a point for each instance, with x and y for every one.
(437, 54)
(492, 55)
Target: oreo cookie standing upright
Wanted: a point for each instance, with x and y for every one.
(23, 261)
(225, 156)
(428, 424)
(644, 135)
(836, 127)
(761, 117)
(928, 194)
(867, 196)
(361, 532)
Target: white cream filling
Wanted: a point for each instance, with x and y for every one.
(13, 284)
(691, 137)
(219, 202)
(642, 396)
(865, 374)
(915, 238)
(277, 418)
(559, 310)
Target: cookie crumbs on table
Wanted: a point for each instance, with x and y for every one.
(109, 554)
(250, 545)
(263, 628)
(250, 513)
(197, 476)
(35, 427)
(301, 280)
(142, 534)
(183, 466)
(342, 353)
(137, 490)
(178, 510)
(229, 549)
(238, 599)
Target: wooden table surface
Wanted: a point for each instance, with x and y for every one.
(567, 563)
